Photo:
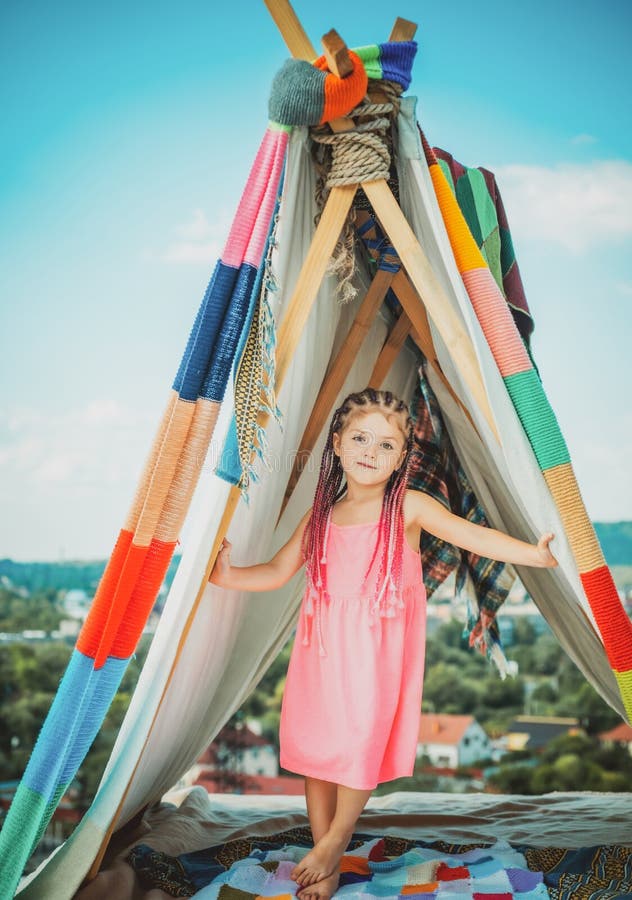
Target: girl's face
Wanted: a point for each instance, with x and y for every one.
(370, 448)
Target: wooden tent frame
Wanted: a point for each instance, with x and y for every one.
(415, 286)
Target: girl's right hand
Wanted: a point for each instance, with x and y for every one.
(221, 569)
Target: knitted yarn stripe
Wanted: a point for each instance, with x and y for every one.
(541, 427)
(503, 337)
(563, 485)
(148, 537)
(538, 419)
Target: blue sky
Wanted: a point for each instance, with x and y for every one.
(128, 133)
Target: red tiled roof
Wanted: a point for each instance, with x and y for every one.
(260, 784)
(441, 728)
(622, 732)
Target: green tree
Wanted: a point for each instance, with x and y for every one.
(20, 723)
(502, 694)
(523, 632)
(512, 780)
(569, 772)
(450, 634)
(594, 712)
(39, 611)
(444, 690)
(547, 655)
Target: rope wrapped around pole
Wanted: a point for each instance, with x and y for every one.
(360, 154)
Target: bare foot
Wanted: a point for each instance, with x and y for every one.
(322, 860)
(323, 889)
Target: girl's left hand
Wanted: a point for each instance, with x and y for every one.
(545, 557)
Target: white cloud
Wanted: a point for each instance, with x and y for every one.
(198, 229)
(74, 447)
(198, 240)
(97, 413)
(104, 412)
(583, 139)
(58, 467)
(67, 476)
(624, 287)
(573, 205)
(606, 500)
(20, 454)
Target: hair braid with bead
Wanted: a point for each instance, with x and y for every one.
(330, 488)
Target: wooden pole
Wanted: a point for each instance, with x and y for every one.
(391, 347)
(421, 334)
(291, 29)
(337, 55)
(402, 288)
(403, 30)
(312, 273)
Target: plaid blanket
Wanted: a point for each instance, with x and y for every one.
(436, 470)
(480, 202)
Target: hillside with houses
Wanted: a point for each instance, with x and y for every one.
(544, 729)
(454, 754)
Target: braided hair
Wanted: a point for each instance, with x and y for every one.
(330, 488)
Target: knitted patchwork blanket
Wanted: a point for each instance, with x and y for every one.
(497, 872)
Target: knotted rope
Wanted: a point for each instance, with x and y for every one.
(361, 154)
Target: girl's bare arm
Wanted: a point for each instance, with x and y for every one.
(264, 576)
(430, 515)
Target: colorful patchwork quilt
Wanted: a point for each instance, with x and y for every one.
(374, 867)
(497, 872)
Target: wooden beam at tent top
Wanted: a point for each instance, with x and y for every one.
(291, 29)
(339, 63)
(403, 30)
(390, 349)
(299, 44)
(337, 55)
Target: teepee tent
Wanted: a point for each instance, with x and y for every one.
(270, 354)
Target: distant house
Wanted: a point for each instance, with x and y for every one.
(622, 734)
(535, 732)
(241, 750)
(452, 741)
(240, 761)
(77, 603)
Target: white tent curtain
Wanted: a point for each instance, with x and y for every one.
(505, 477)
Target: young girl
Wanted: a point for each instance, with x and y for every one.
(352, 701)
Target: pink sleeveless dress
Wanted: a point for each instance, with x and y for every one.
(352, 700)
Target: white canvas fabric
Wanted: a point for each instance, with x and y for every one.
(505, 476)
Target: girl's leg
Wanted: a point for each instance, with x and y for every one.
(349, 805)
(323, 859)
(320, 797)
